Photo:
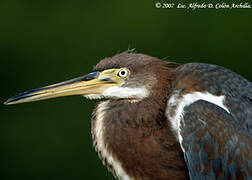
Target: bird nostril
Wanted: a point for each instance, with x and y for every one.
(107, 79)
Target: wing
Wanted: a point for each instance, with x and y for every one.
(212, 146)
(219, 81)
(210, 110)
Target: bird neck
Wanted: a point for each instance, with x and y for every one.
(130, 137)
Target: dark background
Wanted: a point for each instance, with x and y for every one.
(44, 42)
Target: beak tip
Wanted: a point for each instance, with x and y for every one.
(8, 102)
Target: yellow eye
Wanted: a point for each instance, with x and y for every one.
(123, 73)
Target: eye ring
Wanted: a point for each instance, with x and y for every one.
(123, 73)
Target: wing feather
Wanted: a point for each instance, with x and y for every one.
(213, 147)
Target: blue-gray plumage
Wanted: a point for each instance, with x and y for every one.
(217, 143)
(214, 148)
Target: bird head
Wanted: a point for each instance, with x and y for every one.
(124, 76)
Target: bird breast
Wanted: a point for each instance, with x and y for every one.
(98, 138)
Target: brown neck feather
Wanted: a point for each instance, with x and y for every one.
(140, 137)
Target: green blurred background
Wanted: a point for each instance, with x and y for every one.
(44, 42)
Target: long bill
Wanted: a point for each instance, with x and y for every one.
(87, 84)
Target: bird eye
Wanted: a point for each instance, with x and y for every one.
(123, 73)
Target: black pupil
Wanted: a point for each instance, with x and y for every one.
(122, 73)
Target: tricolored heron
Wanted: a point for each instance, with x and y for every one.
(161, 120)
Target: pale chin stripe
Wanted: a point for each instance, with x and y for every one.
(179, 103)
(120, 92)
(125, 92)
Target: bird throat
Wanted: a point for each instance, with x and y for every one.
(129, 140)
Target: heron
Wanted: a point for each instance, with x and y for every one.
(163, 120)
